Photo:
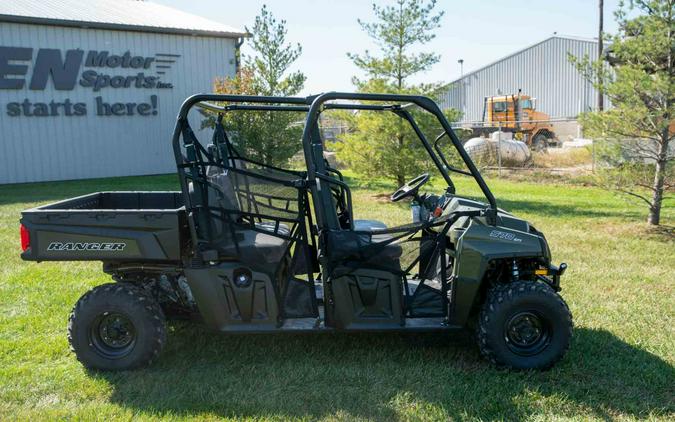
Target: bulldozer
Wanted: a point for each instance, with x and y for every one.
(516, 113)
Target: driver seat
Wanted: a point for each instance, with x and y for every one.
(390, 253)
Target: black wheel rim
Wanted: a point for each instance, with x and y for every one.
(113, 335)
(527, 333)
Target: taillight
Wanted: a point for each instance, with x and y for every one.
(25, 238)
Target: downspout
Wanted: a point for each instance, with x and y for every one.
(237, 54)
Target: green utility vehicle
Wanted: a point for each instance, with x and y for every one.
(247, 247)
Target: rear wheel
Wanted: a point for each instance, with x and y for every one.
(116, 326)
(524, 325)
(540, 142)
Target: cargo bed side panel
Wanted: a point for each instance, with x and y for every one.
(73, 230)
(103, 236)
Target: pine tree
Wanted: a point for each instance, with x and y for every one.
(638, 76)
(269, 137)
(382, 144)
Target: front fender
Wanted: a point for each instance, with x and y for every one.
(475, 248)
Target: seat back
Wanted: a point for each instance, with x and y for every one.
(222, 200)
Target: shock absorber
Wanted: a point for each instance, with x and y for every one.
(515, 273)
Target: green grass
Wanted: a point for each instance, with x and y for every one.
(620, 287)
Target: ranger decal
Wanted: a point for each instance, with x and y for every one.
(85, 246)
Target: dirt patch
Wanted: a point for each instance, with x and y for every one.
(663, 233)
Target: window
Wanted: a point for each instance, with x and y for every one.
(526, 104)
(499, 107)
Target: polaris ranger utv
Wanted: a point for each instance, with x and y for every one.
(252, 248)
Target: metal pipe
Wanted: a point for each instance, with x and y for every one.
(271, 107)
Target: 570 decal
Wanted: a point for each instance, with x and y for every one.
(85, 246)
(505, 235)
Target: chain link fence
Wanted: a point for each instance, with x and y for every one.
(553, 146)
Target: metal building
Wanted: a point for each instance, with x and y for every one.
(542, 71)
(91, 89)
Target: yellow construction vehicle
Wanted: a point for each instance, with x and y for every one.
(517, 113)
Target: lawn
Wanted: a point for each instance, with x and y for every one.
(620, 287)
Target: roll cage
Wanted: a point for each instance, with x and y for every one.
(318, 173)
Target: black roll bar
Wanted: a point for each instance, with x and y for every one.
(270, 107)
(445, 161)
(405, 114)
(313, 106)
(318, 104)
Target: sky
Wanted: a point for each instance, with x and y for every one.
(477, 31)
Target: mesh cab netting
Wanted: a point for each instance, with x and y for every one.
(256, 214)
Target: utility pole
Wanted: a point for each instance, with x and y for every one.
(601, 96)
(461, 81)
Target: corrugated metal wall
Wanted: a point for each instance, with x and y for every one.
(542, 71)
(75, 147)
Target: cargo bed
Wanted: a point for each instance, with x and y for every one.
(107, 226)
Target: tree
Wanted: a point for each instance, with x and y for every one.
(273, 57)
(398, 29)
(637, 75)
(269, 137)
(382, 144)
(379, 145)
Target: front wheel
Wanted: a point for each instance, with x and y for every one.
(524, 325)
(116, 326)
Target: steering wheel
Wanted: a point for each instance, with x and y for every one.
(410, 188)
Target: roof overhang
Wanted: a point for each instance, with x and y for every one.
(119, 27)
